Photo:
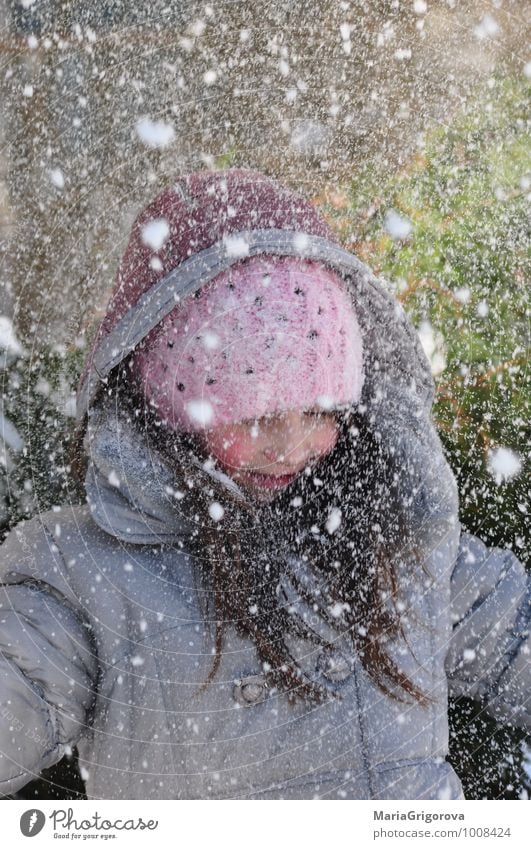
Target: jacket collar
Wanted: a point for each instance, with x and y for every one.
(131, 491)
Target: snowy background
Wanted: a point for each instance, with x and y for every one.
(405, 122)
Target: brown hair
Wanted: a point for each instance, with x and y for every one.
(240, 560)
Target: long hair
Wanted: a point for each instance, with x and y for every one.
(344, 518)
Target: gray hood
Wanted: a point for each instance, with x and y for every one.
(132, 493)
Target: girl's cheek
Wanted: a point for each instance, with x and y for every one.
(325, 440)
(232, 448)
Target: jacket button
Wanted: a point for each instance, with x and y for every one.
(250, 690)
(334, 665)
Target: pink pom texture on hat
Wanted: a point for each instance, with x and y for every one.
(267, 335)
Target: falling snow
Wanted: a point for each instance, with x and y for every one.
(487, 28)
(216, 511)
(412, 147)
(397, 225)
(434, 347)
(200, 411)
(463, 294)
(334, 520)
(325, 402)
(8, 337)
(155, 134)
(504, 464)
(309, 137)
(236, 246)
(57, 178)
(210, 340)
(155, 233)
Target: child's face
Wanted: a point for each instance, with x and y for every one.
(265, 455)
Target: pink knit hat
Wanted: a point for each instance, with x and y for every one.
(269, 334)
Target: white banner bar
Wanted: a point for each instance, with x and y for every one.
(265, 824)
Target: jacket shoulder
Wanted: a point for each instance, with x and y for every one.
(41, 549)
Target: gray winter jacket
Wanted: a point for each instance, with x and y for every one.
(102, 641)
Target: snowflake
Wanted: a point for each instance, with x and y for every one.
(155, 233)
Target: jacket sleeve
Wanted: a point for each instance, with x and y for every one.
(47, 680)
(489, 657)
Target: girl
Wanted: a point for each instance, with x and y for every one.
(267, 593)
